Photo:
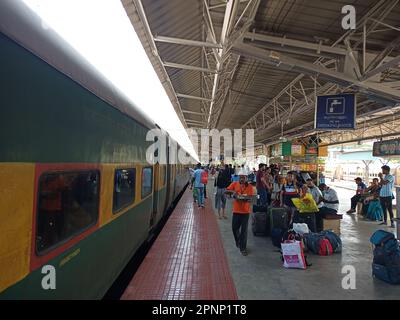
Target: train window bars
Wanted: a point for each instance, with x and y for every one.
(124, 189)
(147, 181)
(68, 204)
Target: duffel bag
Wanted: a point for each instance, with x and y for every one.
(334, 239)
(311, 241)
(325, 247)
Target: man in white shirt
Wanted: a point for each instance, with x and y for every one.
(330, 200)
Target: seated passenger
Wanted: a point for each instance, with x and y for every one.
(373, 195)
(330, 201)
(361, 187)
(313, 190)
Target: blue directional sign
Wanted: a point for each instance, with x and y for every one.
(336, 112)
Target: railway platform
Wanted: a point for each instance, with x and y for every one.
(187, 261)
(195, 258)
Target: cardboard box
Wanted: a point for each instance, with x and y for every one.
(333, 225)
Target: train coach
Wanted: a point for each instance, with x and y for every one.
(76, 192)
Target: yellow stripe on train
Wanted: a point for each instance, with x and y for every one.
(16, 205)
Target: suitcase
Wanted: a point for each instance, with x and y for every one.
(307, 218)
(259, 224)
(278, 218)
(277, 236)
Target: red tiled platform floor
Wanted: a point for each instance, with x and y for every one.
(187, 261)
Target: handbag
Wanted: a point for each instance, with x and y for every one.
(293, 255)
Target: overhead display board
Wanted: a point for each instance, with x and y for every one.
(386, 148)
(335, 112)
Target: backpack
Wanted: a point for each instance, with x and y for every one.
(325, 247)
(324, 243)
(204, 177)
(334, 239)
(311, 241)
(386, 261)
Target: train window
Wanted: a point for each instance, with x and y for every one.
(124, 188)
(147, 181)
(68, 204)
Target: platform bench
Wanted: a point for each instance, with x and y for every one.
(332, 222)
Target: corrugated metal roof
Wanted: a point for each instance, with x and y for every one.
(247, 85)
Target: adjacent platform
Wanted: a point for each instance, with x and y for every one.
(187, 261)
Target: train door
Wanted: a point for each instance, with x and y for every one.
(173, 182)
(168, 178)
(156, 179)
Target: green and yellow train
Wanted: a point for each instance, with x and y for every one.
(76, 191)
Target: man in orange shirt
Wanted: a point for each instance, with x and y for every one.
(241, 210)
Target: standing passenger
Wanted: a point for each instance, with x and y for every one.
(241, 211)
(386, 194)
(191, 171)
(260, 185)
(199, 186)
(204, 180)
(222, 182)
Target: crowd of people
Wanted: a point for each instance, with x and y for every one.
(377, 197)
(273, 189)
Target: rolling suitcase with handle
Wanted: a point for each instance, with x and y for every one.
(260, 224)
(278, 218)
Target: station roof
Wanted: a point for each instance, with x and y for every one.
(258, 64)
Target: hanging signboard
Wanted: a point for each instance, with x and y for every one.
(335, 112)
(386, 148)
(297, 150)
(276, 150)
(310, 150)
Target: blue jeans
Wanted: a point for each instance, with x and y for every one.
(200, 195)
(220, 200)
(263, 197)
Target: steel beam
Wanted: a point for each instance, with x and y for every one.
(186, 96)
(303, 45)
(230, 14)
(192, 112)
(280, 60)
(187, 42)
(187, 67)
(392, 63)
